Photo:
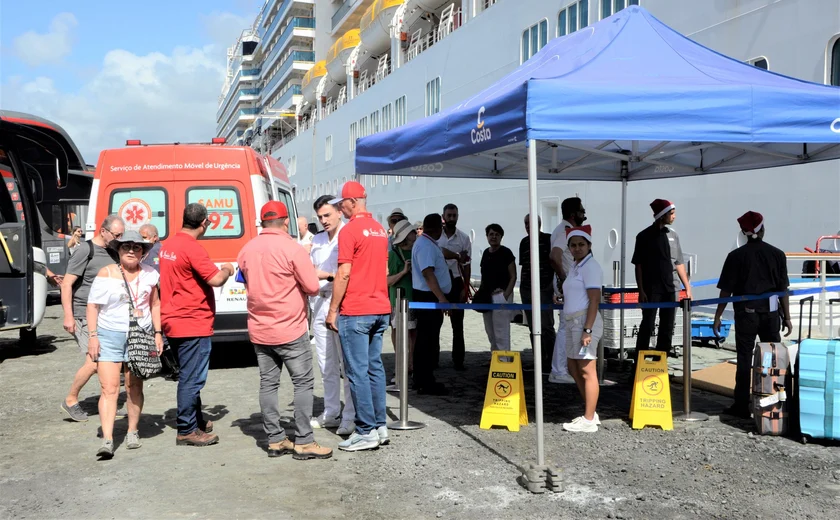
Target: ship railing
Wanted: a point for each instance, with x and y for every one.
(419, 42)
(365, 80)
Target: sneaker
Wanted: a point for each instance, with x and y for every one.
(132, 440)
(106, 451)
(75, 412)
(122, 412)
(596, 419)
(356, 442)
(196, 438)
(278, 449)
(382, 431)
(581, 424)
(394, 380)
(561, 379)
(346, 428)
(311, 451)
(392, 388)
(323, 422)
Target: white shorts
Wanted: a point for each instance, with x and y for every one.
(574, 331)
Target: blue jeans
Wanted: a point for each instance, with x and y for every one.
(194, 355)
(361, 343)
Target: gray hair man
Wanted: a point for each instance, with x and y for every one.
(149, 232)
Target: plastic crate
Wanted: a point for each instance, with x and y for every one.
(702, 329)
(632, 320)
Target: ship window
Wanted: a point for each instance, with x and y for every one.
(373, 181)
(760, 62)
(374, 122)
(610, 7)
(398, 178)
(353, 136)
(400, 112)
(335, 186)
(328, 149)
(384, 180)
(835, 63)
(386, 117)
(534, 38)
(292, 165)
(573, 17)
(363, 127)
(433, 96)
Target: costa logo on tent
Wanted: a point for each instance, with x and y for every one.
(835, 126)
(480, 133)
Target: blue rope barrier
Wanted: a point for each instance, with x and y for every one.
(613, 306)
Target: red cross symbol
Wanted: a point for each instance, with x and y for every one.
(135, 214)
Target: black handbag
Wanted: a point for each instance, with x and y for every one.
(143, 359)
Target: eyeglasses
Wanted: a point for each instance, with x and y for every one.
(115, 235)
(137, 248)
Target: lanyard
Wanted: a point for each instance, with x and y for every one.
(134, 295)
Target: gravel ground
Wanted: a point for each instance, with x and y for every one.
(450, 469)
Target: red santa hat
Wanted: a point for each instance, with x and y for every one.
(751, 223)
(661, 207)
(580, 231)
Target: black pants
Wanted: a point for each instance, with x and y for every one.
(427, 344)
(748, 325)
(548, 335)
(666, 323)
(456, 318)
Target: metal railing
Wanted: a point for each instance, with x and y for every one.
(295, 56)
(343, 10)
(298, 22)
(438, 33)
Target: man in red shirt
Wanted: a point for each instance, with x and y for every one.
(360, 311)
(279, 276)
(188, 308)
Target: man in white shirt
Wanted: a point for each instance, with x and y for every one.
(303, 232)
(561, 260)
(457, 249)
(324, 255)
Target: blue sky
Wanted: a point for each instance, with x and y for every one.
(108, 70)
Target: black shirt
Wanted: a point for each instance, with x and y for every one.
(658, 252)
(754, 268)
(546, 272)
(494, 268)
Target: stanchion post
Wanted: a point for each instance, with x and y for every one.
(402, 339)
(823, 296)
(687, 415)
(601, 359)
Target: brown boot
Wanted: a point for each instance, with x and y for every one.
(278, 449)
(206, 427)
(196, 438)
(311, 451)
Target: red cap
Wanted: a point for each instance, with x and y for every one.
(350, 190)
(273, 209)
(580, 231)
(751, 223)
(661, 207)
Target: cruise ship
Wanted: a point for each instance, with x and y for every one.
(310, 78)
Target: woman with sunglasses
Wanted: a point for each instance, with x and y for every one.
(108, 313)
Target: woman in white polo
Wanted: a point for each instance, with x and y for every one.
(584, 326)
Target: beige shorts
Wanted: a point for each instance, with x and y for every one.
(574, 331)
(81, 335)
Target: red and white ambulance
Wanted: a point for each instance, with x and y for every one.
(151, 184)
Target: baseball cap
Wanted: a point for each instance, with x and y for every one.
(401, 231)
(273, 210)
(350, 190)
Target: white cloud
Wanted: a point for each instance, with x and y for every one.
(155, 98)
(36, 49)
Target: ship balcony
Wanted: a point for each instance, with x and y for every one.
(348, 15)
(296, 61)
(277, 17)
(242, 76)
(300, 31)
(246, 95)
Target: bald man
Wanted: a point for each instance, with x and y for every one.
(304, 234)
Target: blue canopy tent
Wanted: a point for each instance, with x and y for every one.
(625, 99)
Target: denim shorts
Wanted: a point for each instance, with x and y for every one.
(112, 346)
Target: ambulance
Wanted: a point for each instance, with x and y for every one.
(152, 184)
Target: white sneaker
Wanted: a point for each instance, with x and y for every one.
(561, 379)
(323, 422)
(346, 428)
(596, 419)
(383, 435)
(358, 442)
(581, 424)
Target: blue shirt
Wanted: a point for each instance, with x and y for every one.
(426, 253)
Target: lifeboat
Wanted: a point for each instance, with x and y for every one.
(426, 5)
(375, 25)
(311, 80)
(339, 53)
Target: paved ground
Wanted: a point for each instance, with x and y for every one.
(451, 469)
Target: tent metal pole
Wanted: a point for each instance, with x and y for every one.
(623, 266)
(536, 314)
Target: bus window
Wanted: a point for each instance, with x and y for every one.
(224, 210)
(286, 198)
(140, 206)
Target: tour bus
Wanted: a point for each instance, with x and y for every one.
(153, 183)
(25, 148)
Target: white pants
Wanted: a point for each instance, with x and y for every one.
(558, 359)
(330, 361)
(497, 325)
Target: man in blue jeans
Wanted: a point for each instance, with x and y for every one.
(188, 308)
(360, 311)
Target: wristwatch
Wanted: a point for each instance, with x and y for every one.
(588, 331)
(330, 278)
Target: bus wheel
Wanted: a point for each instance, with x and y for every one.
(28, 338)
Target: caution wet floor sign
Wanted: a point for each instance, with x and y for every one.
(504, 399)
(651, 404)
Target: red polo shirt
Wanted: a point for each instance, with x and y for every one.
(187, 302)
(363, 243)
